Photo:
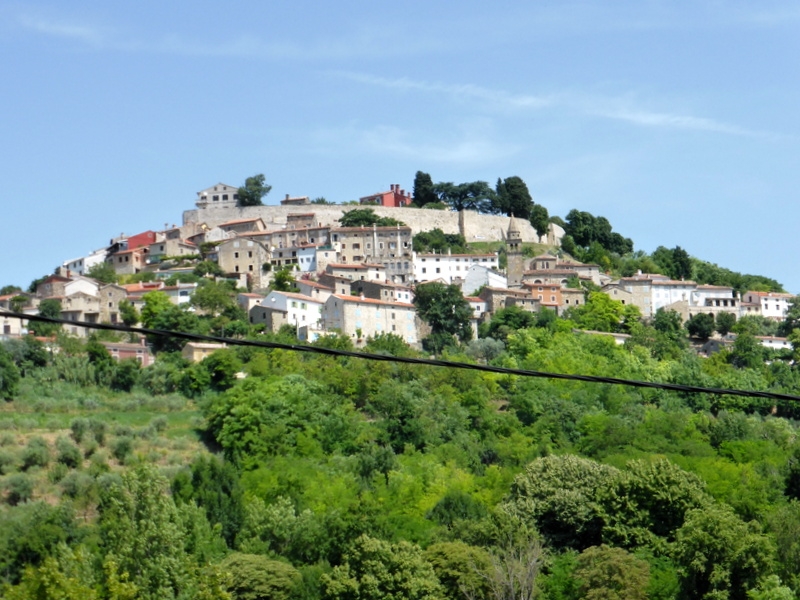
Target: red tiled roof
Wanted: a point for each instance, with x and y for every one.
(372, 301)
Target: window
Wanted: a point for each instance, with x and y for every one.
(249, 267)
(424, 270)
(224, 196)
(250, 254)
(216, 197)
(235, 255)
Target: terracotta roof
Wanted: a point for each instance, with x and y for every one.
(372, 301)
(770, 294)
(314, 284)
(676, 282)
(296, 296)
(458, 255)
(354, 266)
(370, 228)
(240, 221)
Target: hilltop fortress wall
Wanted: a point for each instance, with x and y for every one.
(473, 226)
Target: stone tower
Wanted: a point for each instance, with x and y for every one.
(514, 255)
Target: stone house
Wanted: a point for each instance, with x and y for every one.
(383, 290)
(129, 262)
(314, 289)
(287, 308)
(389, 246)
(110, 296)
(357, 272)
(242, 227)
(218, 195)
(197, 351)
(244, 256)
(170, 247)
(360, 318)
(123, 350)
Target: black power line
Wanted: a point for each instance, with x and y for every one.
(691, 389)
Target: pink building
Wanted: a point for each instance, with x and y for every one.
(394, 198)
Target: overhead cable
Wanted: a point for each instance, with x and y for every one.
(691, 389)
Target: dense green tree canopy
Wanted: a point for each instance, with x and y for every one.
(444, 308)
(253, 191)
(366, 217)
(476, 195)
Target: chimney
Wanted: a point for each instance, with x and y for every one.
(287, 196)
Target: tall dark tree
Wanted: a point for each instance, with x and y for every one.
(253, 191)
(540, 219)
(423, 189)
(444, 308)
(681, 264)
(512, 198)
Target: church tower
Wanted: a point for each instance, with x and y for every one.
(514, 258)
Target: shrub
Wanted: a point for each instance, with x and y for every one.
(35, 454)
(19, 488)
(57, 472)
(68, 453)
(78, 429)
(8, 462)
(122, 447)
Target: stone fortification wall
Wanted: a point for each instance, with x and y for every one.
(474, 226)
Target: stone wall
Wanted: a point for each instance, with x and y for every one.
(474, 226)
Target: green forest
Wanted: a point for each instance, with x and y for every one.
(270, 473)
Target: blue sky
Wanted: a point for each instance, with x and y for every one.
(677, 121)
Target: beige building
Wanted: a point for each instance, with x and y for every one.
(170, 247)
(128, 262)
(389, 246)
(357, 272)
(110, 296)
(244, 256)
(360, 318)
(197, 351)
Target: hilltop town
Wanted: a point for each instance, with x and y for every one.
(357, 281)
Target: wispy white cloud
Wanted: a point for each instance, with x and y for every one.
(675, 121)
(592, 105)
(80, 32)
(497, 97)
(352, 44)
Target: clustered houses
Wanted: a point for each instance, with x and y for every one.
(358, 281)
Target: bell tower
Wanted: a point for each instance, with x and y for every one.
(514, 260)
